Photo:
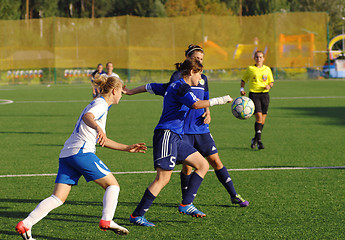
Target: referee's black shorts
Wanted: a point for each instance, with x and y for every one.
(261, 101)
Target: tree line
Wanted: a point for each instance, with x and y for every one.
(28, 9)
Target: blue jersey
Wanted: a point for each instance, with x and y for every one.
(194, 122)
(177, 94)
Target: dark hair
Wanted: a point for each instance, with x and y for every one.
(106, 84)
(108, 64)
(100, 65)
(189, 65)
(193, 48)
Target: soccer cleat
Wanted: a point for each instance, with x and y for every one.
(253, 145)
(113, 226)
(141, 221)
(190, 209)
(260, 145)
(24, 231)
(240, 201)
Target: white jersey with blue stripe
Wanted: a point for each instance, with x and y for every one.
(83, 138)
(177, 95)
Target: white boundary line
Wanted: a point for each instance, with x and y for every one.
(5, 101)
(155, 100)
(177, 171)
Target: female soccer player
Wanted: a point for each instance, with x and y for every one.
(109, 66)
(78, 158)
(260, 80)
(168, 147)
(196, 129)
(95, 90)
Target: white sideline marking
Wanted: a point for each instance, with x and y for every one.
(5, 101)
(177, 171)
(76, 101)
(319, 97)
(154, 100)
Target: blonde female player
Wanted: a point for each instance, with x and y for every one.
(260, 80)
(78, 158)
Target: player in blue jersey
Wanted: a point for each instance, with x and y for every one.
(168, 147)
(196, 128)
(77, 158)
(95, 90)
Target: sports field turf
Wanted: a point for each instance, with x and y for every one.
(291, 195)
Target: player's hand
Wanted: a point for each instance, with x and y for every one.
(267, 87)
(138, 147)
(125, 90)
(243, 93)
(101, 137)
(207, 117)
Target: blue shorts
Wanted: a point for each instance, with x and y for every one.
(73, 167)
(169, 149)
(204, 143)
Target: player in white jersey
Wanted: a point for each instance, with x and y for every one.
(77, 158)
(110, 72)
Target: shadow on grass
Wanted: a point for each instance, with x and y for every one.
(336, 114)
(16, 235)
(12, 132)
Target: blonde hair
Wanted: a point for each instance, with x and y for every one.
(106, 84)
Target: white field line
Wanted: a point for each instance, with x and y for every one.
(76, 101)
(177, 171)
(5, 101)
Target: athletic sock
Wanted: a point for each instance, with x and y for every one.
(193, 186)
(42, 210)
(224, 177)
(144, 204)
(184, 182)
(110, 200)
(258, 130)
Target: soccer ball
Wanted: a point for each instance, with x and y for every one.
(243, 107)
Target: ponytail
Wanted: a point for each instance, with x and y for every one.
(106, 84)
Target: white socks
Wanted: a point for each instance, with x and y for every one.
(42, 210)
(110, 198)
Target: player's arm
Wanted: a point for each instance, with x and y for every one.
(212, 102)
(89, 120)
(242, 92)
(137, 147)
(207, 116)
(133, 91)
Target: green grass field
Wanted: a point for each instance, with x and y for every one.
(288, 200)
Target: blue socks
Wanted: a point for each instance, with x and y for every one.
(184, 182)
(144, 204)
(193, 186)
(224, 177)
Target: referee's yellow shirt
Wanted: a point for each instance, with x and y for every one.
(258, 78)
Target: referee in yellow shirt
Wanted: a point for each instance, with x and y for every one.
(260, 80)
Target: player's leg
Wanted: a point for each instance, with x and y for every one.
(265, 100)
(223, 176)
(185, 174)
(197, 161)
(58, 197)
(162, 179)
(110, 200)
(186, 170)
